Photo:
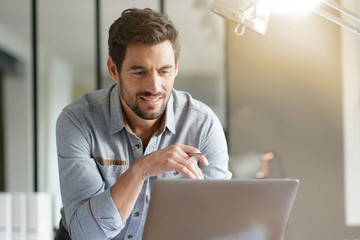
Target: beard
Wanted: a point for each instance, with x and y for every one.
(149, 114)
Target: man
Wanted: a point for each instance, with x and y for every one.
(114, 143)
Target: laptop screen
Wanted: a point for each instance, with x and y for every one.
(239, 209)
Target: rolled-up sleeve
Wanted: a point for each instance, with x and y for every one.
(95, 219)
(89, 209)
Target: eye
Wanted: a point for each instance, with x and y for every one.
(165, 72)
(139, 73)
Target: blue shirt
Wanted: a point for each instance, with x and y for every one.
(95, 146)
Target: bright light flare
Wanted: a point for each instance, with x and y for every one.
(292, 6)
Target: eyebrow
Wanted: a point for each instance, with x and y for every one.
(138, 67)
(167, 66)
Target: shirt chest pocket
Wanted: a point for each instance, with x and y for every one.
(111, 170)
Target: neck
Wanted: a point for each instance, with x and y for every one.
(143, 128)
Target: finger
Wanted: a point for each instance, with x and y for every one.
(194, 168)
(201, 157)
(203, 160)
(184, 170)
(189, 168)
(198, 169)
(189, 149)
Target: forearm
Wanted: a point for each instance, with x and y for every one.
(126, 190)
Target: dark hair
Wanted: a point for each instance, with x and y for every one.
(140, 26)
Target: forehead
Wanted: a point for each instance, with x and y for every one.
(149, 54)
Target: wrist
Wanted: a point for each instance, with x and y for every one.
(139, 169)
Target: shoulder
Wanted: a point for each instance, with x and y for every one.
(90, 109)
(92, 101)
(184, 102)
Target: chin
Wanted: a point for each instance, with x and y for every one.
(153, 116)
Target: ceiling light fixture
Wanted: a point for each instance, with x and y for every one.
(255, 14)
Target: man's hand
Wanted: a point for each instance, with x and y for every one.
(172, 158)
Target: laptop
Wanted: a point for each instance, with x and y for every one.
(251, 209)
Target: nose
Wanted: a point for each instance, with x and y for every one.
(153, 83)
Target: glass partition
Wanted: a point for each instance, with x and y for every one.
(66, 66)
(16, 167)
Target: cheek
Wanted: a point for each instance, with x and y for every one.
(169, 85)
(132, 91)
(128, 86)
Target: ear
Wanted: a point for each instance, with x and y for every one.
(112, 69)
(176, 69)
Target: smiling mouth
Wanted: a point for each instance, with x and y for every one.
(152, 100)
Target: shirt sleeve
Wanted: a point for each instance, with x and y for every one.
(89, 209)
(214, 145)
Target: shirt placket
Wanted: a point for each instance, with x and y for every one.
(138, 215)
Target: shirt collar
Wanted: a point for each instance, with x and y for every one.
(169, 121)
(118, 121)
(116, 115)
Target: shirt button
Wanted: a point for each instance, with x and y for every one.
(137, 146)
(136, 214)
(130, 236)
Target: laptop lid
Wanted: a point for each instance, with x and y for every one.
(238, 209)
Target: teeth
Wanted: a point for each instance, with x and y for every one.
(151, 99)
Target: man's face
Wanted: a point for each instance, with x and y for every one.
(146, 78)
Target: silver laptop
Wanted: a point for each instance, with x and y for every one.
(220, 209)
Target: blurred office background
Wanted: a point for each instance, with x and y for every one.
(290, 92)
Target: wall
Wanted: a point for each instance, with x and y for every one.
(351, 120)
(285, 96)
